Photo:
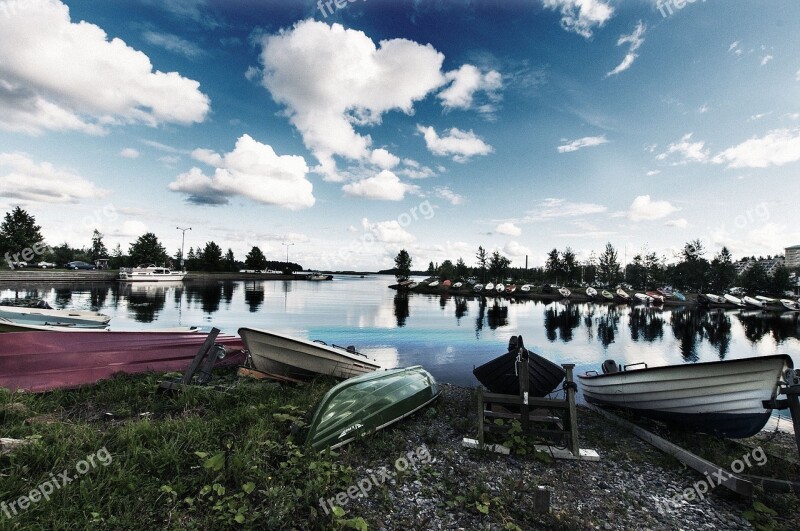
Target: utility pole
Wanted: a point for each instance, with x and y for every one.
(287, 253)
(183, 240)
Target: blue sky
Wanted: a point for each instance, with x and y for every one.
(380, 125)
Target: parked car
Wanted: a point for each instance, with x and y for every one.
(17, 265)
(46, 265)
(80, 265)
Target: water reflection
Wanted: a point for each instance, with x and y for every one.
(607, 326)
(687, 326)
(497, 316)
(401, 308)
(717, 327)
(254, 295)
(145, 301)
(462, 308)
(563, 319)
(758, 324)
(646, 323)
(209, 295)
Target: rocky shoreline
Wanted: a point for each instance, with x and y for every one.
(633, 486)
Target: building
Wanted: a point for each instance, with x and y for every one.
(769, 265)
(793, 257)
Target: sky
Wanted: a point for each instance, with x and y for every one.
(342, 133)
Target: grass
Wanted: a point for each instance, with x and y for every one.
(196, 460)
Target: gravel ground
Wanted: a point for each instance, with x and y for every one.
(629, 488)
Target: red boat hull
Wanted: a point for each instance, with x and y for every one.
(42, 361)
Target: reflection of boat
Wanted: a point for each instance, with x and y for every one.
(501, 374)
(791, 305)
(591, 292)
(564, 292)
(149, 273)
(733, 300)
(302, 359)
(362, 405)
(49, 316)
(720, 397)
(35, 361)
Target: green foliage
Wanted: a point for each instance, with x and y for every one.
(498, 266)
(147, 250)
(402, 265)
(19, 232)
(761, 517)
(212, 257)
(98, 247)
(608, 269)
(255, 259)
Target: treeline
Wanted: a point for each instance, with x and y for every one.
(21, 238)
(691, 271)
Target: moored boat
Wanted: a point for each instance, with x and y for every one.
(501, 375)
(720, 397)
(477, 288)
(511, 288)
(591, 292)
(657, 298)
(446, 283)
(678, 295)
(37, 361)
(564, 292)
(500, 288)
(750, 301)
(302, 359)
(51, 317)
(489, 286)
(607, 295)
(526, 288)
(150, 273)
(458, 285)
(763, 298)
(710, 298)
(367, 403)
(730, 299)
(623, 295)
(9, 325)
(642, 297)
(791, 305)
(434, 284)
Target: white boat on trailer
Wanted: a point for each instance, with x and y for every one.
(302, 359)
(150, 273)
(725, 398)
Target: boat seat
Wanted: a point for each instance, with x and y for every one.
(610, 367)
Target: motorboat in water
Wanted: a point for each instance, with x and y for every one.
(501, 374)
(51, 317)
(362, 405)
(150, 273)
(301, 359)
(724, 398)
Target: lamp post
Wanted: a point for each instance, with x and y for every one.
(183, 240)
(287, 253)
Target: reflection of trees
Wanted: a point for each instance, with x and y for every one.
(497, 316)
(687, 327)
(209, 295)
(443, 301)
(98, 296)
(645, 323)
(481, 315)
(145, 304)
(254, 295)
(758, 324)
(63, 298)
(461, 307)
(607, 326)
(717, 327)
(564, 319)
(401, 307)
(228, 288)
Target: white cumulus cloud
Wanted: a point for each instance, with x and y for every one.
(59, 75)
(385, 186)
(252, 170)
(465, 83)
(582, 16)
(23, 178)
(383, 159)
(644, 208)
(777, 148)
(331, 79)
(387, 231)
(448, 195)
(462, 145)
(686, 151)
(508, 228)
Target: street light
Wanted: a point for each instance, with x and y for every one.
(287, 253)
(183, 240)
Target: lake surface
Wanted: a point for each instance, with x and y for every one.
(448, 335)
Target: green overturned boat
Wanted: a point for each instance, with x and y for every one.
(364, 404)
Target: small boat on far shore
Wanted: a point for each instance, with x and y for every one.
(51, 317)
(623, 295)
(489, 286)
(302, 359)
(791, 305)
(367, 403)
(733, 300)
(607, 295)
(756, 303)
(477, 288)
(657, 298)
(526, 288)
(565, 292)
(500, 288)
(642, 297)
(591, 292)
(710, 298)
(724, 398)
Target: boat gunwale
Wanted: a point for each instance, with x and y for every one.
(786, 357)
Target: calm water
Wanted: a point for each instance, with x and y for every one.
(448, 335)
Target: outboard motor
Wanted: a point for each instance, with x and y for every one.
(610, 367)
